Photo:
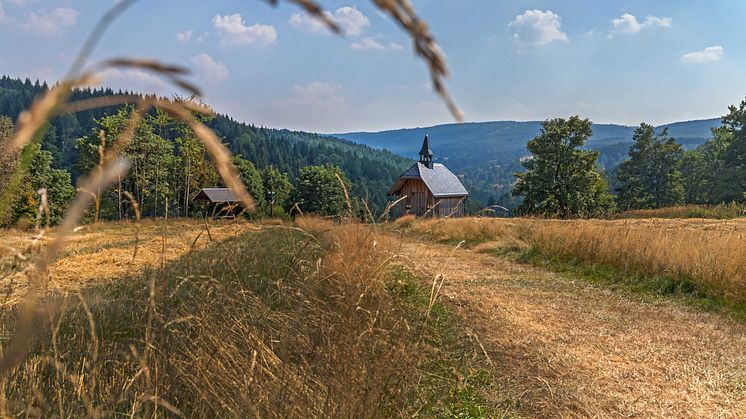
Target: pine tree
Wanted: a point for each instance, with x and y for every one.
(651, 178)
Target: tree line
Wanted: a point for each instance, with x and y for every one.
(564, 180)
(169, 165)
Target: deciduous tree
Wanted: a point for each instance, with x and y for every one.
(318, 190)
(561, 178)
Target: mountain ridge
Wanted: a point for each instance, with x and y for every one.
(487, 154)
(390, 139)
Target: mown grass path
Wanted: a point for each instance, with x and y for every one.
(564, 347)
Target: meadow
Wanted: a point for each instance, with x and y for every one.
(701, 256)
(326, 318)
(233, 318)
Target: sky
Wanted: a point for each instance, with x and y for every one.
(612, 61)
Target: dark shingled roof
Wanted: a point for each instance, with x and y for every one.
(441, 181)
(216, 195)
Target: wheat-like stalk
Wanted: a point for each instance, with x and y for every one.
(389, 206)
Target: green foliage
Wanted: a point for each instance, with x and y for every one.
(40, 175)
(318, 190)
(57, 182)
(251, 178)
(730, 184)
(148, 180)
(193, 170)
(561, 178)
(23, 175)
(370, 171)
(651, 177)
(277, 190)
(715, 172)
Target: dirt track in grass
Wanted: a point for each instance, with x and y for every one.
(564, 347)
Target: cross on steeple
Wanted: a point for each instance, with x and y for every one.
(426, 154)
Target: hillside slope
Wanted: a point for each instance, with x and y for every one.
(490, 140)
(371, 170)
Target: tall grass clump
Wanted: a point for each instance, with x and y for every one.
(279, 323)
(708, 255)
(720, 212)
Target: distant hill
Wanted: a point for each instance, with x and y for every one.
(492, 140)
(486, 154)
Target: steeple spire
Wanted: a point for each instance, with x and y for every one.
(426, 154)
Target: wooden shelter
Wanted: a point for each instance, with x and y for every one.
(221, 202)
(428, 189)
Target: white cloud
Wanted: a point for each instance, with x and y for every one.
(319, 95)
(367, 43)
(709, 54)
(351, 20)
(49, 23)
(370, 42)
(536, 28)
(184, 36)
(305, 23)
(628, 24)
(233, 30)
(208, 69)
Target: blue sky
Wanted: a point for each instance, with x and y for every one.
(612, 61)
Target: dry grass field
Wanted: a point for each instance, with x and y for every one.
(704, 253)
(318, 318)
(105, 252)
(272, 320)
(564, 346)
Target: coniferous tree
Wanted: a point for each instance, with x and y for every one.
(651, 177)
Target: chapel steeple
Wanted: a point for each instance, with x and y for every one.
(426, 154)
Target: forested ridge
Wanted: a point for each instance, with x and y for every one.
(370, 171)
(567, 174)
(487, 154)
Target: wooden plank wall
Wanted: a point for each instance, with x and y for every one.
(418, 197)
(419, 200)
(453, 207)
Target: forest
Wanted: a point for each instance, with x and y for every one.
(170, 165)
(562, 176)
